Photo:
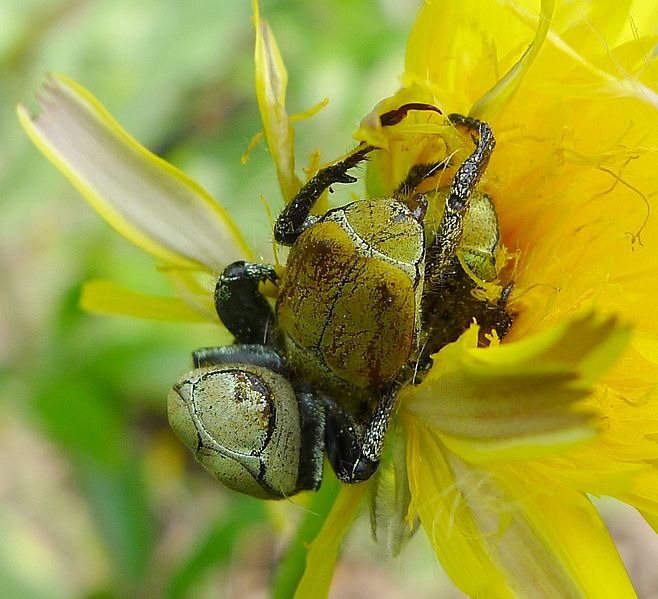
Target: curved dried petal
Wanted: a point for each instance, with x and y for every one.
(461, 50)
(500, 94)
(147, 200)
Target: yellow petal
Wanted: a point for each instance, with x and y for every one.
(323, 551)
(461, 48)
(568, 536)
(197, 295)
(517, 400)
(447, 521)
(271, 83)
(500, 94)
(147, 200)
(644, 495)
(652, 520)
(106, 297)
(605, 24)
(510, 532)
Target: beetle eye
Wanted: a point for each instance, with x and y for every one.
(242, 423)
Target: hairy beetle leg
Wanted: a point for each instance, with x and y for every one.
(503, 317)
(468, 175)
(355, 451)
(416, 175)
(242, 353)
(245, 312)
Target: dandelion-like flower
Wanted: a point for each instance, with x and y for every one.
(497, 451)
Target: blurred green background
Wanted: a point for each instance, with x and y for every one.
(97, 497)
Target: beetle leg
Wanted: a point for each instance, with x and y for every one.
(419, 172)
(240, 305)
(355, 450)
(312, 422)
(255, 354)
(295, 216)
(416, 175)
(393, 117)
(342, 440)
(375, 434)
(504, 318)
(442, 251)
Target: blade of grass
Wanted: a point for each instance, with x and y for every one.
(292, 567)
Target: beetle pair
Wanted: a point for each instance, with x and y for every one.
(370, 291)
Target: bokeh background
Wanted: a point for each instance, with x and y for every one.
(97, 497)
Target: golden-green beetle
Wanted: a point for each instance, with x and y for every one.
(370, 290)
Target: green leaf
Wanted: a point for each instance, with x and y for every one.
(119, 501)
(76, 415)
(216, 546)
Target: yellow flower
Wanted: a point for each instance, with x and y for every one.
(504, 444)
(498, 450)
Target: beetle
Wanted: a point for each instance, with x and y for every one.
(371, 289)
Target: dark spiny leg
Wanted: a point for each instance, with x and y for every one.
(375, 434)
(393, 117)
(503, 317)
(419, 172)
(495, 317)
(442, 252)
(240, 305)
(354, 450)
(295, 217)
